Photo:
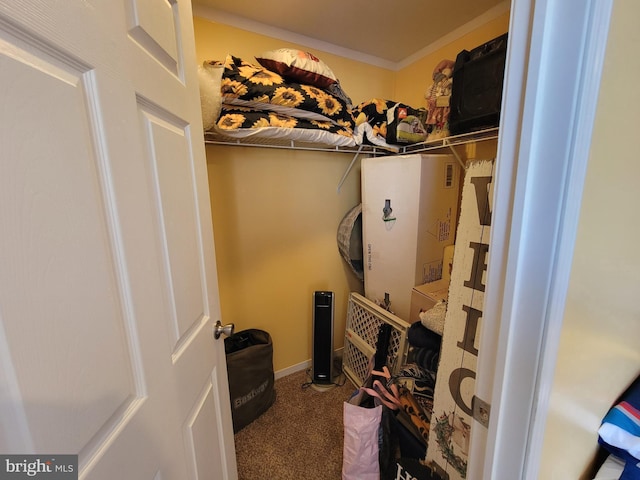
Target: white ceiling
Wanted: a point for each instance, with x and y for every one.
(383, 32)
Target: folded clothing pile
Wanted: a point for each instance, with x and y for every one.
(619, 432)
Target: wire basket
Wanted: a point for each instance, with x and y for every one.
(364, 319)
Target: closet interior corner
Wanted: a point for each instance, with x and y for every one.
(328, 174)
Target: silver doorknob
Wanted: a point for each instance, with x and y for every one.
(219, 329)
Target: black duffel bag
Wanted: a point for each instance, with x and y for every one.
(250, 369)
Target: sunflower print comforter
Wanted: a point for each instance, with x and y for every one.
(244, 122)
(253, 86)
(257, 102)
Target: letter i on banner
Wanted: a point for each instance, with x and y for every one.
(452, 415)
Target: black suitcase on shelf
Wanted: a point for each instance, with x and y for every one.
(476, 93)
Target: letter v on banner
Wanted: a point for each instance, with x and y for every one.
(452, 415)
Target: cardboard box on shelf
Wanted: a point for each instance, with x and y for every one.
(447, 262)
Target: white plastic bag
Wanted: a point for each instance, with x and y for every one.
(360, 452)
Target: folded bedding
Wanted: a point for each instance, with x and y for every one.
(248, 85)
(241, 122)
(619, 432)
(241, 99)
(386, 123)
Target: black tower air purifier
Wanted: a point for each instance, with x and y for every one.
(322, 353)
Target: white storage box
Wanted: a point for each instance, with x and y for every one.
(364, 319)
(409, 215)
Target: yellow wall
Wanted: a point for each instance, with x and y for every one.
(276, 212)
(359, 80)
(275, 218)
(599, 353)
(412, 81)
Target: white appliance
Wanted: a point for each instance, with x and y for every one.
(409, 215)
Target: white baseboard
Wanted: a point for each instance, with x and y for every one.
(292, 369)
(303, 365)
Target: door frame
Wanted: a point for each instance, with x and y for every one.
(554, 65)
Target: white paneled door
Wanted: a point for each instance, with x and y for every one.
(108, 287)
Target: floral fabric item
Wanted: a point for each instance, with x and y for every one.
(242, 122)
(248, 85)
(388, 123)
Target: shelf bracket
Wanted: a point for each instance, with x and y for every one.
(346, 173)
(455, 154)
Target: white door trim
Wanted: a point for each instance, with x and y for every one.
(554, 64)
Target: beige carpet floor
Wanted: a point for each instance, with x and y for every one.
(299, 437)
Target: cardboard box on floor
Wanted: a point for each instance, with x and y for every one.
(425, 296)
